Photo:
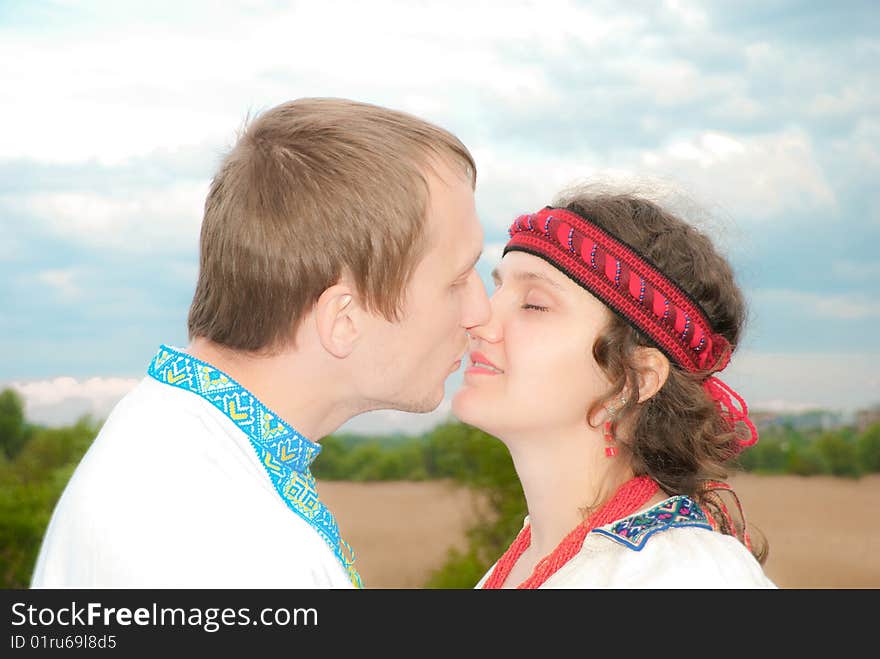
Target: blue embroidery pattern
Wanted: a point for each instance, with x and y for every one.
(634, 531)
(284, 452)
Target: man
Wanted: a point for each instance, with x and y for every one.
(336, 277)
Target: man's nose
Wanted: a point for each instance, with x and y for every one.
(477, 308)
(490, 329)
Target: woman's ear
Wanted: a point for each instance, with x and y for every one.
(653, 368)
(336, 320)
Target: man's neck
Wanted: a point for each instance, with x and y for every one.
(292, 384)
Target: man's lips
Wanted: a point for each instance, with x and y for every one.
(481, 364)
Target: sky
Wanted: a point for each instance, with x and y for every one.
(758, 121)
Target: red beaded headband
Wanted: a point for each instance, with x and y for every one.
(615, 273)
(637, 290)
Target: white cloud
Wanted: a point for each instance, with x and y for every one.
(707, 150)
(739, 107)
(135, 85)
(846, 306)
(62, 400)
(780, 405)
(857, 271)
(857, 155)
(61, 282)
(749, 178)
(756, 177)
(852, 99)
(760, 54)
(693, 17)
(138, 220)
(513, 183)
(842, 381)
(10, 248)
(671, 82)
(850, 307)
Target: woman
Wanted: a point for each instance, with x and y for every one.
(609, 317)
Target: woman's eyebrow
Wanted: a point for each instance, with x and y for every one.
(528, 276)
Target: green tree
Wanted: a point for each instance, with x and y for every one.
(331, 463)
(364, 462)
(53, 448)
(13, 433)
(769, 455)
(839, 453)
(475, 458)
(805, 461)
(868, 447)
(30, 486)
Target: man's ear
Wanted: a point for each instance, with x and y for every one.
(653, 368)
(336, 320)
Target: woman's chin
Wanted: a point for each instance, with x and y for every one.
(466, 407)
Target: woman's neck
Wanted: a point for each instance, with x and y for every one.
(565, 475)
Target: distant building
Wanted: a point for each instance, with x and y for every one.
(868, 417)
(808, 420)
(764, 419)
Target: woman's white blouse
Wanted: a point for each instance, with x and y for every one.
(659, 547)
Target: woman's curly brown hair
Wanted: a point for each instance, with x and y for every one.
(677, 437)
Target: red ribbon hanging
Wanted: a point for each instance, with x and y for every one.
(724, 397)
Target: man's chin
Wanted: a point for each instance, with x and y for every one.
(424, 405)
(405, 401)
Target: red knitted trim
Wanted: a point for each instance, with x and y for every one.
(624, 280)
(629, 498)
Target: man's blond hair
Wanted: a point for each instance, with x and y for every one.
(312, 189)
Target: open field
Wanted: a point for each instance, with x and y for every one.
(400, 530)
(823, 532)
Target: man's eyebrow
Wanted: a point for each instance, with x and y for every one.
(528, 276)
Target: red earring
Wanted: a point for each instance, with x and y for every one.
(610, 448)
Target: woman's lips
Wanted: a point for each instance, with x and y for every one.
(480, 364)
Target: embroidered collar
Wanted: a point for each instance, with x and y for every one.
(634, 531)
(284, 453)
